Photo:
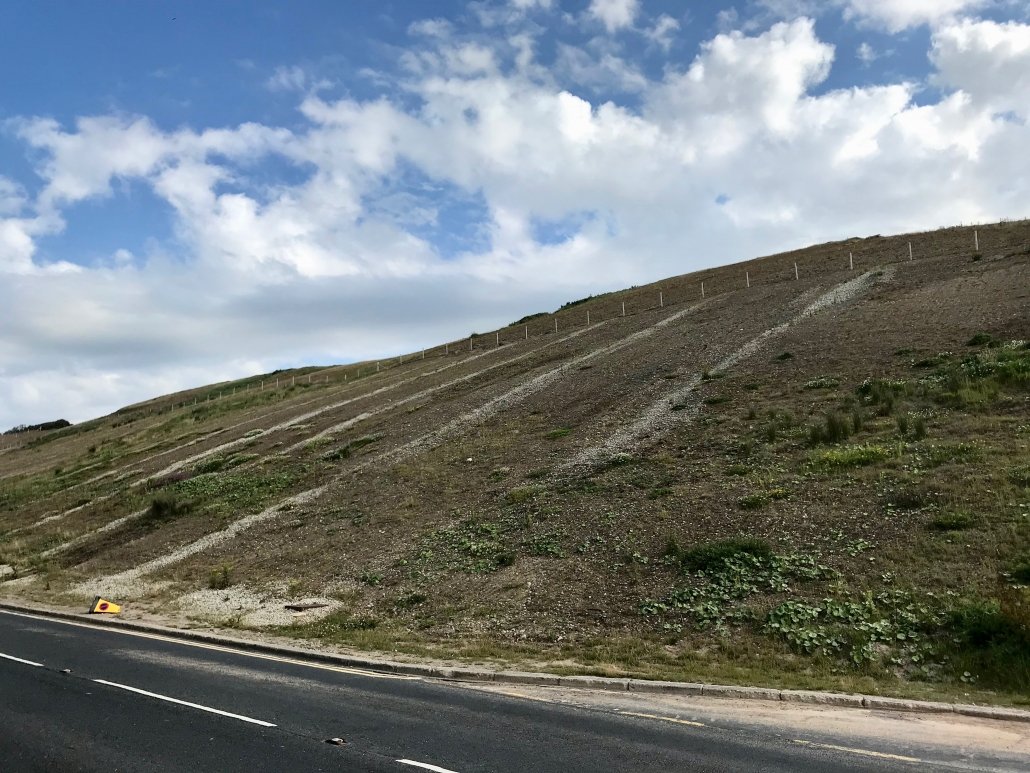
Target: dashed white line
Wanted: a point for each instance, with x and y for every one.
(426, 766)
(220, 648)
(185, 703)
(20, 660)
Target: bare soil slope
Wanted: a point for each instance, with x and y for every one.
(804, 474)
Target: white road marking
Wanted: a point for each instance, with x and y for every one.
(864, 752)
(426, 766)
(664, 719)
(19, 660)
(185, 703)
(218, 648)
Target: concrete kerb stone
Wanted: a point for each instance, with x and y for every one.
(650, 685)
(822, 698)
(741, 693)
(594, 683)
(471, 674)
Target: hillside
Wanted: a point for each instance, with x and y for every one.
(814, 479)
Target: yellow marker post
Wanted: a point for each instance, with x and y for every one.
(100, 606)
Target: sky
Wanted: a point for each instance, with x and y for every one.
(194, 191)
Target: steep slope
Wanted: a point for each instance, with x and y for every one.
(810, 471)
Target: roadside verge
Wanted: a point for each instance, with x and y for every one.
(472, 674)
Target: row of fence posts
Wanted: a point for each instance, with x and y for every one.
(497, 334)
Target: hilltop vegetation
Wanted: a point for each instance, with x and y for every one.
(813, 482)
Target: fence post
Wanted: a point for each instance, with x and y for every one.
(851, 261)
(910, 250)
(661, 300)
(976, 240)
(702, 289)
(377, 366)
(747, 278)
(527, 332)
(624, 308)
(796, 276)
(446, 348)
(588, 318)
(470, 343)
(556, 324)
(498, 338)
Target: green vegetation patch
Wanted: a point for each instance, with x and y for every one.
(851, 456)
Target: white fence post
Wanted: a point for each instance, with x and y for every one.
(796, 276)
(527, 332)
(661, 300)
(498, 338)
(377, 366)
(470, 343)
(702, 289)
(556, 324)
(910, 250)
(747, 278)
(588, 318)
(851, 261)
(624, 308)
(976, 240)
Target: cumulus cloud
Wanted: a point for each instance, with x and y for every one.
(741, 151)
(614, 14)
(896, 15)
(987, 60)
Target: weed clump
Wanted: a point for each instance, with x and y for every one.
(220, 578)
(982, 339)
(835, 428)
(956, 521)
(713, 555)
(165, 508)
(851, 456)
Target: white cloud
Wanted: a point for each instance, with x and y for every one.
(866, 54)
(340, 262)
(896, 15)
(663, 31)
(614, 14)
(987, 60)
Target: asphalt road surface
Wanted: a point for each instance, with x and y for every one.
(79, 698)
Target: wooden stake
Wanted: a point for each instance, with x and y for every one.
(976, 240)
(661, 300)
(702, 289)
(851, 260)
(624, 308)
(747, 278)
(796, 271)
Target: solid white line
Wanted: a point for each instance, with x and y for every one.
(185, 703)
(664, 719)
(864, 752)
(426, 765)
(19, 660)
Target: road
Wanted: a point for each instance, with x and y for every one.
(75, 697)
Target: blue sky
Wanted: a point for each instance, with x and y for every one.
(196, 191)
